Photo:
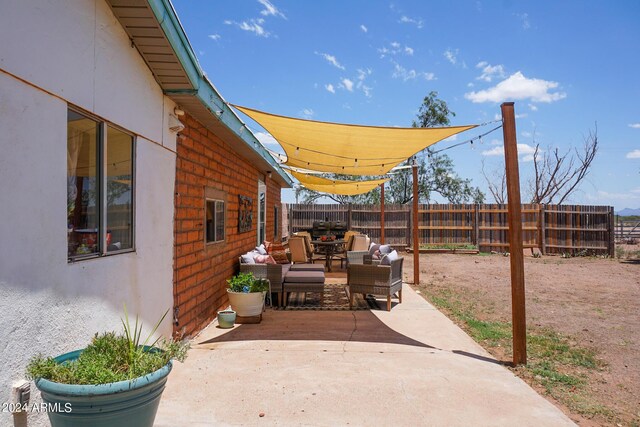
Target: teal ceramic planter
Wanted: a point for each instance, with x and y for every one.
(226, 319)
(123, 403)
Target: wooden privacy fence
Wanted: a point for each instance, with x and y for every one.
(569, 229)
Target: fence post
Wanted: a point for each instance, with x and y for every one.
(349, 216)
(408, 215)
(611, 227)
(476, 226)
(543, 231)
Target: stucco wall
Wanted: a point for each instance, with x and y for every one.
(55, 54)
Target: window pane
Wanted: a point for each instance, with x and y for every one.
(210, 229)
(219, 220)
(82, 185)
(119, 171)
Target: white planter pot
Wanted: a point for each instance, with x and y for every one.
(247, 304)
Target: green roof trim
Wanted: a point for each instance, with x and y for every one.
(202, 88)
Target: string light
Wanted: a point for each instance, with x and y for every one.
(355, 164)
(297, 151)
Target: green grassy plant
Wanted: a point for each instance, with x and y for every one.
(554, 362)
(247, 282)
(111, 357)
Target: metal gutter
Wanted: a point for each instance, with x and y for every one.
(204, 90)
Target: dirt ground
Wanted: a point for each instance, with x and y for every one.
(594, 301)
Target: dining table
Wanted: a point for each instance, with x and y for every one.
(328, 248)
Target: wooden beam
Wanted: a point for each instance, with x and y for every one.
(416, 239)
(382, 213)
(514, 217)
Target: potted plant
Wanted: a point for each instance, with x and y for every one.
(114, 381)
(247, 293)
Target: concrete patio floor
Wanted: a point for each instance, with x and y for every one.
(411, 366)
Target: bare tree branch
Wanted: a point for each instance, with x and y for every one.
(556, 176)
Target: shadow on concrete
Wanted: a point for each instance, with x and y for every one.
(344, 326)
(359, 326)
(482, 358)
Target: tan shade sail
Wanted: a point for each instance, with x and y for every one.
(336, 186)
(355, 187)
(347, 149)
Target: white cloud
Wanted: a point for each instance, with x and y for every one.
(616, 196)
(451, 55)
(330, 88)
(516, 87)
(266, 138)
(254, 26)
(489, 71)
(307, 113)
(214, 36)
(407, 20)
(364, 29)
(635, 154)
(270, 9)
(527, 134)
(533, 107)
(331, 59)
(634, 125)
(347, 84)
(525, 151)
(362, 74)
(399, 72)
(395, 48)
(524, 19)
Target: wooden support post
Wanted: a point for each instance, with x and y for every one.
(382, 213)
(349, 213)
(416, 239)
(516, 256)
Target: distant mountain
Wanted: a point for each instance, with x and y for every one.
(628, 212)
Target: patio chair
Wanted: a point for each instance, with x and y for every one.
(298, 249)
(376, 280)
(359, 249)
(311, 255)
(341, 253)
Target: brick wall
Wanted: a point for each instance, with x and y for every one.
(201, 270)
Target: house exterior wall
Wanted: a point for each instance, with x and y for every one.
(201, 270)
(57, 54)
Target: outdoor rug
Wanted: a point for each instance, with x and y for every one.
(334, 297)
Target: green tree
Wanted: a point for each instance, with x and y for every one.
(436, 172)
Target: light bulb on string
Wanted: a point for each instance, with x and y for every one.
(297, 151)
(355, 164)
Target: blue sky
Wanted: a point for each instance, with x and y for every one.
(565, 64)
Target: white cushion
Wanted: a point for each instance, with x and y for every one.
(261, 250)
(385, 249)
(386, 260)
(248, 257)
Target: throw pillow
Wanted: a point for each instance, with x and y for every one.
(278, 253)
(264, 259)
(385, 249)
(386, 260)
(373, 248)
(248, 258)
(267, 246)
(261, 250)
